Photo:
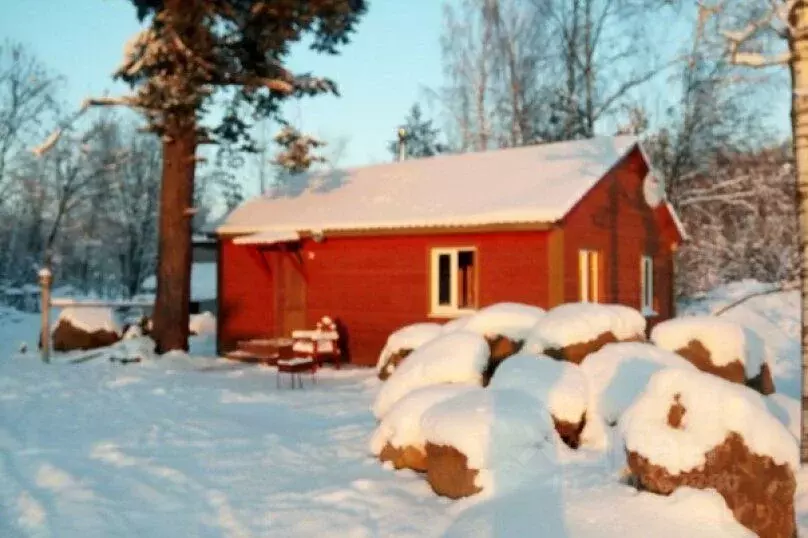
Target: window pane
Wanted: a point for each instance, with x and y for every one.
(465, 279)
(444, 280)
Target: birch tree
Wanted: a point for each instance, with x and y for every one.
(521, 72)
(764, 34)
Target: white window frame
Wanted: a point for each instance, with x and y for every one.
(647, 285)
(588, 258)
(451, 309)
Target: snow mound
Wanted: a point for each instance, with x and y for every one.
(90, 319)
(574, 323)
(401, 426)
(459, 357)
(203, 324)
(512, 320)
(497, 430)
(455, 324)
(725, 340)
(560, 386)
(409, 337)
(714, 408)
(618, 373)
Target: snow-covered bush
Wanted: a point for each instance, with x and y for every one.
(457, 357)
(618, 373)
(484, 439)
(717, 346)
(559, 386)
(404, 341)
(571, 331)
(714, 408)
(398, 438)
(90, 319)
(694, 429)
(85, 328)
(455, 324)
(512, 320)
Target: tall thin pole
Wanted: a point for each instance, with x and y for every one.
(45, 281)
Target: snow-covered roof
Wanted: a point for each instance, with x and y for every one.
(533, 184)
(203, 282)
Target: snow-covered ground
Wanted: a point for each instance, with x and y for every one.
(199, 446)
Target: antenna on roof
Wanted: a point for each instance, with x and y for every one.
(402, 143)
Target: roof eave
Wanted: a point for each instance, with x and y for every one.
(408, 229)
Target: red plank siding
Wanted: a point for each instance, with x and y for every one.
(246, 298)
(615, 220)
(375, 285)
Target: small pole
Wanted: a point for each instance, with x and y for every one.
(45, 281)
(402, 144)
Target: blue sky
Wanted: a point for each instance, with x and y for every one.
(393, 57)
(381, 73)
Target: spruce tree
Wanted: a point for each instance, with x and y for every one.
(190, 52)
(419, 136)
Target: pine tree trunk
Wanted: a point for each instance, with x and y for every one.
(798, 45)
(174, 244)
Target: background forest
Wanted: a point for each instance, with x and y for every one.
(516, 72)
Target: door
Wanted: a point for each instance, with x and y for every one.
(291, 295)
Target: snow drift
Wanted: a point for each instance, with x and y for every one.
(458, 357)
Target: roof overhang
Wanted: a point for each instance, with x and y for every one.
(267, 237)
(243, 235)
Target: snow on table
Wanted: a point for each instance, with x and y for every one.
(90, 319)
(560, 386)
(512, 320)
(401, 426)
(726, 341)
(574, 323)
(408, 337)
(459, 357)
(714, 409)
(506, 434)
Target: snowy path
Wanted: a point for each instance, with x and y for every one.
(209, 448)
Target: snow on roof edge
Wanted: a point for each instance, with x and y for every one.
(267, 237)
(390, 225)
(680, 227)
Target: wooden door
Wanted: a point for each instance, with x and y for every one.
(291, 294)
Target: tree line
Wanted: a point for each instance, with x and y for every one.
(522, 72)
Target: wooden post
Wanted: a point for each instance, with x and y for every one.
(45, 280)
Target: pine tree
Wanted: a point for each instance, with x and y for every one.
(296, 154)
(419, 136)
(190, 51)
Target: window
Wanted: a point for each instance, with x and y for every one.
(454, 280)
(589, 276)
(647, 284)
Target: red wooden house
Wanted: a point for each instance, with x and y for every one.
(383, 246)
